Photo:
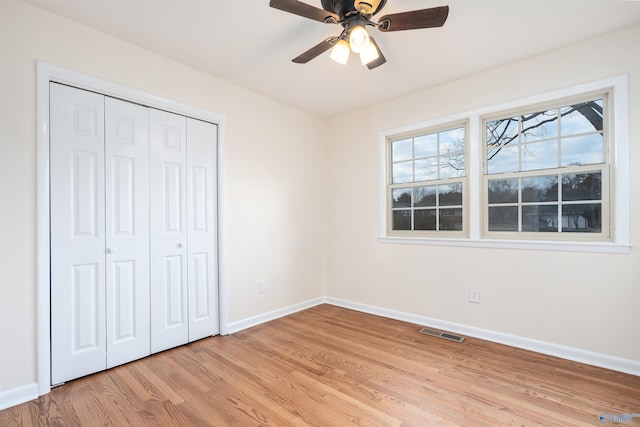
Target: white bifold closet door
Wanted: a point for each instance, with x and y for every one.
(202, 229)
(169, 304)
(183, 231)
(133, 231)
(99, 232)
(78, 322)
(127, 231)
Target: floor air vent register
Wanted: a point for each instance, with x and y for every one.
(440, 334)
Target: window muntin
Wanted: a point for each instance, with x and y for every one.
(426, 182)
(546, 172)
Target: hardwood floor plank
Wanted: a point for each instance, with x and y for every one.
(329, 366)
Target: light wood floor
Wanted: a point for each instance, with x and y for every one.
(329, 366)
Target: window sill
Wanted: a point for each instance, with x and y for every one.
(595, 247)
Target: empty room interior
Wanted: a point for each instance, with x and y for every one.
(207, 217)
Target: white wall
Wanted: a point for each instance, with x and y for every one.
(582, 300)
(274, 157)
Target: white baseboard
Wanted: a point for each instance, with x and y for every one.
(272, 315)
(18, 395)
(614, 363)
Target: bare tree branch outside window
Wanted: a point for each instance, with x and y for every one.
(512, 130)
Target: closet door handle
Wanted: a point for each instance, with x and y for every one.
(179, 245)
(111, 250)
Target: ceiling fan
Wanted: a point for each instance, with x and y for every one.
(355, 16)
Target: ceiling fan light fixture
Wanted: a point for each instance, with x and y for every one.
(367, 7)
(369, 54)
(364, 7)
(340, 52)
(358, 38)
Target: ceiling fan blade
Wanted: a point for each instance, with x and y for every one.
(302, 9)
(315, 51)
(415, 19)
(381, 59)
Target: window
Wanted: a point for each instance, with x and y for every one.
(546, 172)
(426, 182)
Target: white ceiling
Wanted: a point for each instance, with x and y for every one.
(251, 45)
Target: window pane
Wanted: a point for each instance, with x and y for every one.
(426, 145)
(504, 159)
(449, 171)
(503, 191)
(540, 155)
(426, 169)
(502, 132)
(582, 118)
(503, 218)
(583, 150)
(402, 220)
(584, 218)
(451, 219)
(452, 165)
(584, 186)
(401, 150)
(402, 172)
(401, 198)
(540, 189)
(425, 219)
(450, 195)
(540, 218)
(540, 125)
(424, 196)
(452, 141)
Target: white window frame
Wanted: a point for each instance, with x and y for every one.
(427, 183)
(603, 168)
(618, 87)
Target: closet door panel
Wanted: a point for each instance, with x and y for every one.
(201, 226)
(77, 233)
(168, 228)
(127, 231)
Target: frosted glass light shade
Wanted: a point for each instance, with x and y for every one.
(358, 39)
(369, 54)
(340, 52)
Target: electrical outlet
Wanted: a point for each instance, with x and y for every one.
(474, 296)
(262, 288)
